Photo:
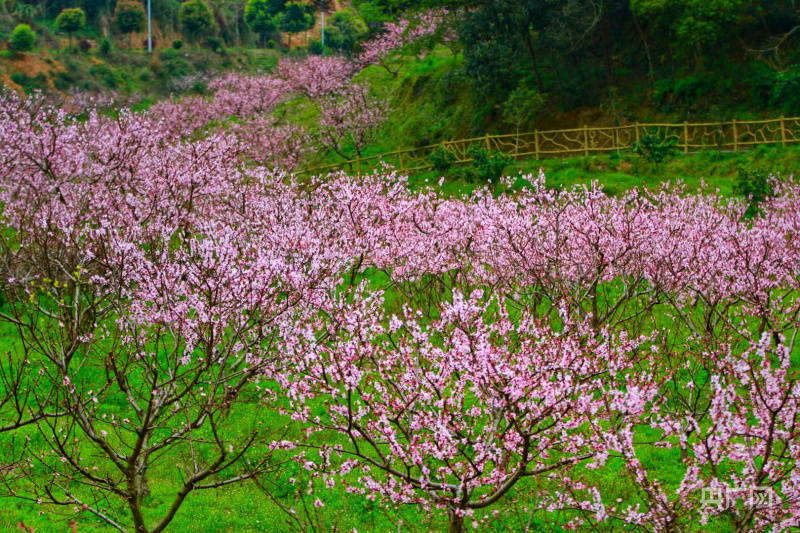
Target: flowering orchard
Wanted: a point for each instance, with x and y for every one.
(180, 303)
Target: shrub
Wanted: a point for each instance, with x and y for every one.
(22, 39)
(442, 159)
(105, 46)
(786, 90)
(655, 147)
(215, 44)
(106, 76)
(30, 83)
(522, 105)
(488, 164)
(345, 31)
(755, 185)
(315, 47)
(63, 80)
(177, 44)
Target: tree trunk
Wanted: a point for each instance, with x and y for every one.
(607, 41)
(456, 523)
(532, 54)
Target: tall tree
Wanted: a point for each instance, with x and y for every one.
(129, 17)
(262, 16)
(196, 19)
(295, 19)
(71, 20)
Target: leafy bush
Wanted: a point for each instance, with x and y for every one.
(315, 47)
(104, 47)
(672, 93)
(488, 164)
(655, 147)
(786, 90)
(522, 105)
(442, 159)
(106, 76)
(215, 44)
(22, 39)
(345, 31)
(30, 83)
(755, 185)
(177, 44)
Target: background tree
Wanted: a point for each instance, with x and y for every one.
(346, 30)
(71, 20)
(322, 7)
(263, 17)
(196, 19)
(22, 39)
(698, 28)
(129, 17)
(296, 18)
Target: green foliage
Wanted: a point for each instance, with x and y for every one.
(654, 147)
(129, 16)
(442, 159)
(215, 44)
(753, 184)
(196, 19)
(30, 83)
(697, 25)
(262, 16)
(683, 92)
(105, 46)
(488, 164)
(345, 31)
(23, 39)
(177, 44)
(315, 47)
(296, 18)
(71, 20)
(107, 77)
(522, 105)
(786, 90)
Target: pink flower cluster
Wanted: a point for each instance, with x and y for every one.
(432, 351)
(398, 34)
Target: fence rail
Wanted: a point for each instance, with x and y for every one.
(691, 137)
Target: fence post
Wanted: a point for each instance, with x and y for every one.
(585, 140)
(536, 143)
(685, 136)
(358, 164)
(636, 128)
(735, 137)
(783, 131)
(488, 142)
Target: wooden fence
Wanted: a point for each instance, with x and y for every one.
(734, 135)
